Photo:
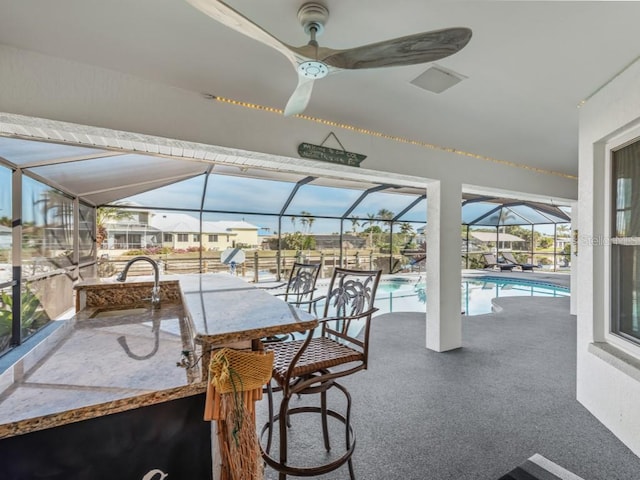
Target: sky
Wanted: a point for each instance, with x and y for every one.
(257, 196)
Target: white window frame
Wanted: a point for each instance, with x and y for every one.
(616, 143)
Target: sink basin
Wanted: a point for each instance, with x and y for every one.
(120, 312)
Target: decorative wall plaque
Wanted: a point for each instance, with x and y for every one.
(332, 155)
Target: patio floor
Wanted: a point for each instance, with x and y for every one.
(477, 412)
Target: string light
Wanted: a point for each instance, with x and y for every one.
(395, 138)
(624, 69)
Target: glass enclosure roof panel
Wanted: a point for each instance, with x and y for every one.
(116, 195)
(118, 171)
(475, 211)
(377, 201)
(186, 194)
(322, 201)
(418, 213)
(566, 210)
(533, 215)
(243, 194)
(21, 152)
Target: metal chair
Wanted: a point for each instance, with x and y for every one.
(305, 366)
(301, 285)
(299, 291)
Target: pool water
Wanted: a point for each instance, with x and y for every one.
(408, 295)
(402, 294)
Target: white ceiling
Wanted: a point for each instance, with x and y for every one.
(529, 64)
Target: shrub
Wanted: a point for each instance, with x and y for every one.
(133, 253)
(149, 251)
(33, 316)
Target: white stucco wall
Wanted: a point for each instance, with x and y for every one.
(52, 88)
(608, 381)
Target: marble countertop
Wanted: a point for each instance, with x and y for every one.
(223, 308)
(104, 364)
(226, 309)
(113, 358)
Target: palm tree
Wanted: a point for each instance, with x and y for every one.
(406, 228)
(306, 224)
(104, 216)
(563, 229)
(293, 222)
(355, 223)
(386, 216)
(371, 221)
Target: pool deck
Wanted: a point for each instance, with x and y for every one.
(561, 279)
(476, 412)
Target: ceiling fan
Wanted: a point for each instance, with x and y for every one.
(313, 62)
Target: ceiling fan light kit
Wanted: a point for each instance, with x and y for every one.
(313, 69)
(313, 62)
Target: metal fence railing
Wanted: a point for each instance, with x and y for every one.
(263, 265)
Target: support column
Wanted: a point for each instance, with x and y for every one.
(16, 256)
(443, 264)
(573, 258)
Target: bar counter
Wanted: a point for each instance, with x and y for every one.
(117, 353)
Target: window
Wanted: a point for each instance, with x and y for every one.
(167, 238)
(213, 238)
(196, 237)
(625, 242)
(183, 237)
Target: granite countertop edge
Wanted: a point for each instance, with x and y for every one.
(66, 417)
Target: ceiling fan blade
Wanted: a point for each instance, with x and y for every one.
(226, 15)
(300, 97)
(410, 50)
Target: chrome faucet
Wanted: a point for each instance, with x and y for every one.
(155, 292)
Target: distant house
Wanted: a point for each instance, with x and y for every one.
(147, 229)
(182, 231)
(132, 233)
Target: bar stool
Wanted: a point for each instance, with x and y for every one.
(306, 367)
(301, 285)
(299, 291)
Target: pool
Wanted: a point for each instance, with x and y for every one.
(400, 294)
(406, 294)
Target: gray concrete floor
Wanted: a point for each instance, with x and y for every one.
(476, 412)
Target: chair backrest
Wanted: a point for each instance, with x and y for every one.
(490, 259)
(302, 284)
(350, 304)
(508, 256)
